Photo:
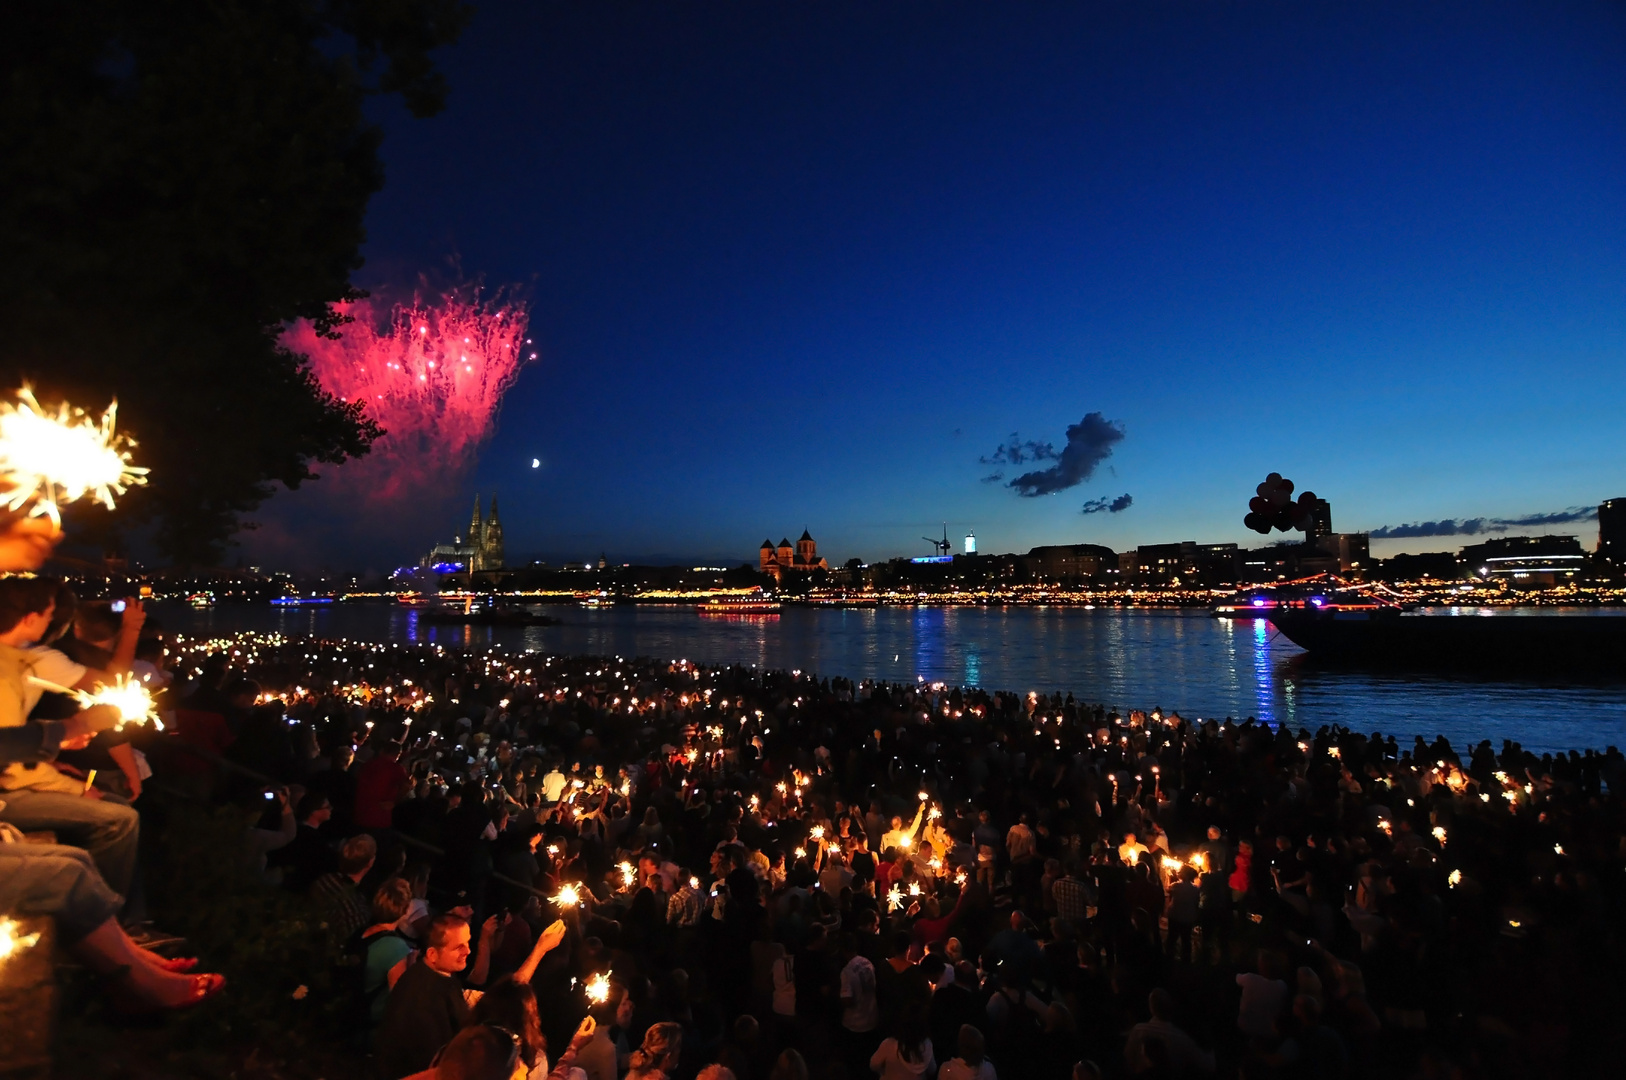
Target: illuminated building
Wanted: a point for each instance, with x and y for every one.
(970, 543)
(803, 558)
(1612, 532)
(1068, 562)
(1526, 562)
(485, 537)
(1320, 523)
(483, 550)
(1352, 550)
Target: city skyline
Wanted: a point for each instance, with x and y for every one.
(821, 266)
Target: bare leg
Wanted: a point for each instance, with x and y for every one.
(108, 950)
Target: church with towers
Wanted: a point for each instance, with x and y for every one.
(784, 559)
(485, 539)
(480, 550)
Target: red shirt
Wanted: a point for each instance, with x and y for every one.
(379, 783)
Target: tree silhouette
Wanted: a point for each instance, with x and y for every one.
(179, 180)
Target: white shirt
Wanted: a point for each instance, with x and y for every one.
(889, 1061)
(50, 666)
(863, 1014)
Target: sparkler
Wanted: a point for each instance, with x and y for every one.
(129, 697)
(567, 896)
(1439, 834)
(628, 874)
(1455, 879)
(12, 942)
(51, 461)
(598, 989)
(816, 832)
(894, 898)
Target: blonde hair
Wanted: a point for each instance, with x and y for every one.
(661, 1044)
(392, 900)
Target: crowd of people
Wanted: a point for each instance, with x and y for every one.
(609, 868)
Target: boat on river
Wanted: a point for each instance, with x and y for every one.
(1380, 635)
(755, 603)
(469, 613)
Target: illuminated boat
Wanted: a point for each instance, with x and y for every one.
(756, 603)
(470, 613)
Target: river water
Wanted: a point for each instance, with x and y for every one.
(1178, 660)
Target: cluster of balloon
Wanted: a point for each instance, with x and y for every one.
(1275, 508)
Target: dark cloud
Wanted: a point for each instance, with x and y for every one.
(1478, 525)
(993, 478)
(1563, 517)
(1110, 506)
(1089, 442)
(1447, 527)
(1015, 451)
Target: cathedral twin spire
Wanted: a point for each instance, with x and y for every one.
(485, 538)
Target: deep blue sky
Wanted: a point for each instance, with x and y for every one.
(802, 262)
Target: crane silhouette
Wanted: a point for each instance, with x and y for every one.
(940, 547)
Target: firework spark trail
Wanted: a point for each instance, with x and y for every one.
(433, 375)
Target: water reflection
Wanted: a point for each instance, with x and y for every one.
(1125, 659)
(1264, 673)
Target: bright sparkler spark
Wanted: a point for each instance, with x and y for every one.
(132, 700)
(567, 896)
(11, 941)
(894, 898)
(55, 460)
(816, 832)
(431, 374)
(598, 989)
(628, 874)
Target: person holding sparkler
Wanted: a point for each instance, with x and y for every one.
(37, 796)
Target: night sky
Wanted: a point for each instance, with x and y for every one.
(811, 263)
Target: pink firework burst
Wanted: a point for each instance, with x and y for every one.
(433, 375)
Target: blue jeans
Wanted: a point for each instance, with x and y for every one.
(107, 829)
(56, 881)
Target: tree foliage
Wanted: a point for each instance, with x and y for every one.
(178, 180)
